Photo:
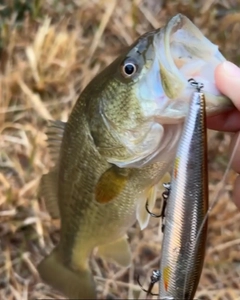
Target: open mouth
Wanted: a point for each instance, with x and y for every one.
(193, 55)
(186, 53)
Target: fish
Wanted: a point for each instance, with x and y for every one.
(185, 231)
(119, 141)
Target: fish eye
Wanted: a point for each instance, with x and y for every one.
(129, 68)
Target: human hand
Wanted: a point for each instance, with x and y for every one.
(227, 76)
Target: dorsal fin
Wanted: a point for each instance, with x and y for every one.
(48, 190)
(49, 182)
(54, 133)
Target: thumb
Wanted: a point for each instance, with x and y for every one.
(227, 76)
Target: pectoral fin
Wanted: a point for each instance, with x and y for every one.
(111, 184)
(142, 214)
(48, 190)
(118, 250)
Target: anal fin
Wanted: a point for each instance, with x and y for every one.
(118, 250)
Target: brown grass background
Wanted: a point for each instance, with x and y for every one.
(50, 50)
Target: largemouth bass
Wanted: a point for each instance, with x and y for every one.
(120, 139)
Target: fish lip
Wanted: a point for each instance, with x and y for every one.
(165, 58)
(175, 23)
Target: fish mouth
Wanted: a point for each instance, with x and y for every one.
(186, 53)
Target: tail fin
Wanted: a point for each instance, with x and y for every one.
(73, 284)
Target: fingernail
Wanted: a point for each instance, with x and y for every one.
(231, 69)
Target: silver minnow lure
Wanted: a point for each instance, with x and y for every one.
(185, 231)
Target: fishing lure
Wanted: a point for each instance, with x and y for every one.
(185, 230)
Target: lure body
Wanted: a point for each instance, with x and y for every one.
(185, 232)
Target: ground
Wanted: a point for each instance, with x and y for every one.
(50, 50)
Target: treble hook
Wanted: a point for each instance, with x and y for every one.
(165, 196)
(155, 277)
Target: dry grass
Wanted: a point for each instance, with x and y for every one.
(45, 62)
